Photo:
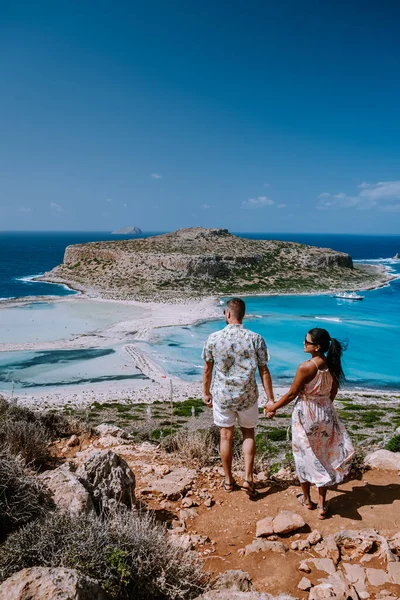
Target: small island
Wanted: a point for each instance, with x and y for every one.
(197, 262)
(128, 231)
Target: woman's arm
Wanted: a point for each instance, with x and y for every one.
(304, 374)
(334, 389)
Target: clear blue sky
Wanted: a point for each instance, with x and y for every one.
(256, 116)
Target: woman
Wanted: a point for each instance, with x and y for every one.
(321, 445)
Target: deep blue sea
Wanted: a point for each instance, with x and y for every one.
(370, 327)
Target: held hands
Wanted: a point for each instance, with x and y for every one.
(269, 410)
(208, 400)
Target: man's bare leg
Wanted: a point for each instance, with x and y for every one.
(249, 452)
(225, 448)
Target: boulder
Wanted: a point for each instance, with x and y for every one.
(383, 459)
(239, 581)
(323, 564)
(265, 527)
(108, 479)
(47, 583)
(68, 492)
(287, 521)
(172, 486)
(106, 429)
(284, 522)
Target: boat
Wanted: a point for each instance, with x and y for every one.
(349, 296)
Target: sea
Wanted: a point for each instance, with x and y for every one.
(370, 328)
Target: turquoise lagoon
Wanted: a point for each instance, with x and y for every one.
(370, 328)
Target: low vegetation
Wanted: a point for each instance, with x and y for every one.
(22, 496)
(127, 553)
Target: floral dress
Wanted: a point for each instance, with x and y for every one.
(322, 448)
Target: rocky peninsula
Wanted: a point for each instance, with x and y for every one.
(198, 262)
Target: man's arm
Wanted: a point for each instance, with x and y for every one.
(207, 378)
(266, 381)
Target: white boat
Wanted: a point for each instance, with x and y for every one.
(349, 296)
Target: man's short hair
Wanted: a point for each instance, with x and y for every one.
(237, 307)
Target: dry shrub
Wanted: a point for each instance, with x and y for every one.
(28, 440)
(28, 433)
(128, 554)
(192, 445)
(22, 496)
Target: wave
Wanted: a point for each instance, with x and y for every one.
(335, 319)
(391, 260)
(28, 278)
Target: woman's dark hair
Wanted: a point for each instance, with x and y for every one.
(333, 349)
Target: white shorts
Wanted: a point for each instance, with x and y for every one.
(227, 417)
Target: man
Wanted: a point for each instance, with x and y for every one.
(236, 352)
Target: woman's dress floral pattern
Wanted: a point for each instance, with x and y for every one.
(322, 448)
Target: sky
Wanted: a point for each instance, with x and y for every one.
(258, 116)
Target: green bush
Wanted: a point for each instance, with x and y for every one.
(184, 409)
(394, 444)
(277, 434)
(128, 553)
(22, 496)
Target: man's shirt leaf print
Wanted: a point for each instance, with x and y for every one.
(236, 353)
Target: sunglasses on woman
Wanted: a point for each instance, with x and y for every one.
(308, 343)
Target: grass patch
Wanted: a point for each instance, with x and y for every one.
(184, 409)
(393, 444)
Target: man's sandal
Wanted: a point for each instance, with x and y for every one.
(308, 504)
(228, 487)
(250, 489)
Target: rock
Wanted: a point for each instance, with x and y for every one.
(46, 583)
(265, 546)
(265, 527)
(383, 459)
(355, 575)
(106, 429)
(363, 541)
(314, 537)
(394, 572)
(174, 485)
(182, 541)
(305, 585)
(305, 567)
(108, 479)
(328, 548)
(286, 475)
(239, 581)
(208, 502)
(300, 545)
(377, 577)
(324, 564)
(189, 502)
(68, 492)
(287, 521)
(161, 470)
(73, 441)
(336, 586)
(232, 595)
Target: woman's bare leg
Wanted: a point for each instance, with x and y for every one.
(305, 488)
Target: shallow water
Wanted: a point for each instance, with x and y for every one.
(370, 328)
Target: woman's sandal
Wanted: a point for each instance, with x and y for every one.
(302, 500)
(250, 489)
(322, 512)
(228, 487)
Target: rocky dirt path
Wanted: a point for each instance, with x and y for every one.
(221, 527)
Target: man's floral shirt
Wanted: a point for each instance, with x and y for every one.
(236, 353)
